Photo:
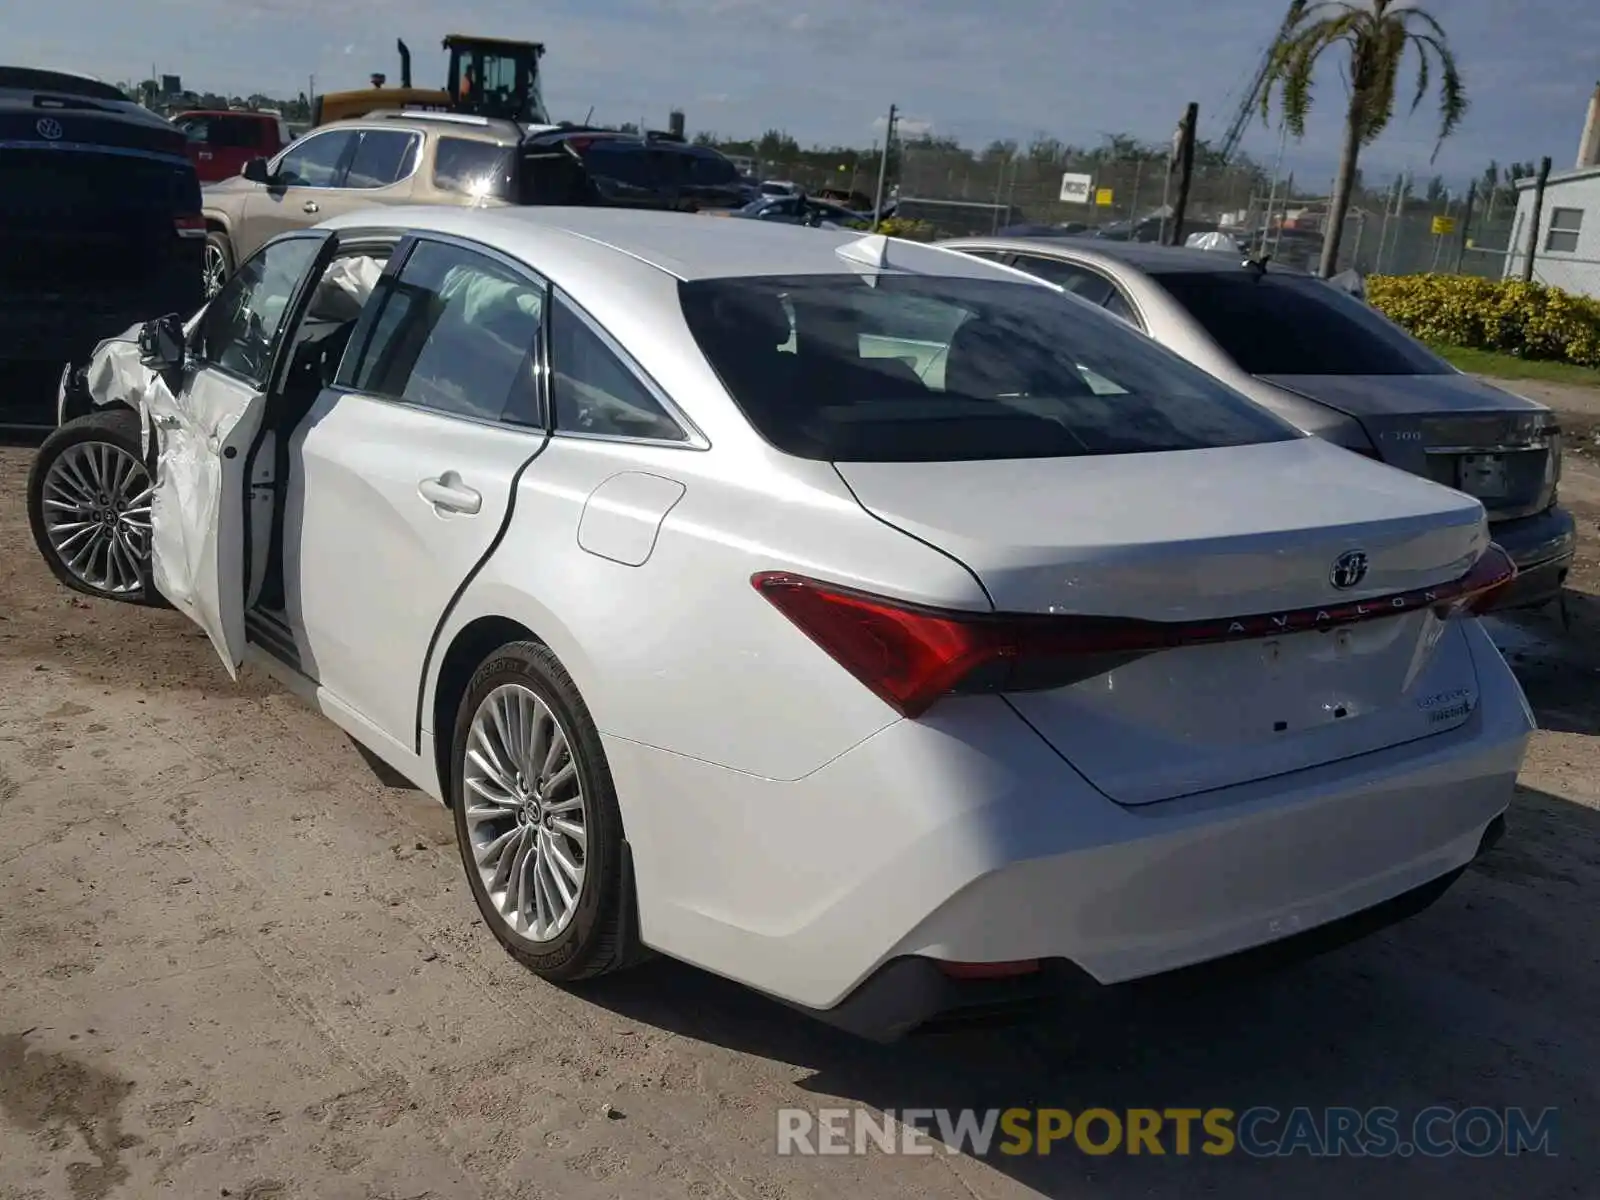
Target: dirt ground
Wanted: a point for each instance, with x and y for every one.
(234, 962)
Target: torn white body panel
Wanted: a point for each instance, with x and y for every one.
(116, 376)
(196, 540)
(196, 513)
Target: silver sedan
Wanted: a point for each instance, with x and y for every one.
(1333, 367)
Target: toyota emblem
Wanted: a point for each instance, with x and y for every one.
(1349, 569)
(49, 128)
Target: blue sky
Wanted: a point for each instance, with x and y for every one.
(825, 70)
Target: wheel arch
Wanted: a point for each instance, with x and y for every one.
(473, 643)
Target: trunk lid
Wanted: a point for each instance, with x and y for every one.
(1451, 428)
(1206, 535)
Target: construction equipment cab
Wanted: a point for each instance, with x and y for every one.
(491, 77)
(486, 77)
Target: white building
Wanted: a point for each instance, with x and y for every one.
(1567, 247)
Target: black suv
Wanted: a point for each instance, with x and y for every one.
(583, 165)
(100, 223)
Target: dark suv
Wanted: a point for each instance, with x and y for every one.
(626, 170)
(100, 223)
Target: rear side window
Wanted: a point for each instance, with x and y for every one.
(1296, 325)
(930, 369)
(383, 156)
(473, 168)
(594, 390)
(1089, 285)
(456, 332)
(708, 169)
(624, 162)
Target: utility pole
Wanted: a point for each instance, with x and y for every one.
(1466, 224)
(1191, 118)
(883, 168)
(1272, 194)
(1538, 213)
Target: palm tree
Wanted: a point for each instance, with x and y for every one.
(1375, 36)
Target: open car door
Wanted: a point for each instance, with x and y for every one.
(207, 425)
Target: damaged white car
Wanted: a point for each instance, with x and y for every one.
(856, 619)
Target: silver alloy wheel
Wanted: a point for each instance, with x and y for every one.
(97, 516)
(526, 817)
(215, 270)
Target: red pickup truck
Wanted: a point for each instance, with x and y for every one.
(220, 143)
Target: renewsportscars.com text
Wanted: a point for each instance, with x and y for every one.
(1259, 1132)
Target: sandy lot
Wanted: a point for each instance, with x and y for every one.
(235, 962)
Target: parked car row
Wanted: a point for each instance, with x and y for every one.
(443, 158)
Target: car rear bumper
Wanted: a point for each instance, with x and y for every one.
(1542, 546)
(915, 992)
(38, 337)
(961, 838)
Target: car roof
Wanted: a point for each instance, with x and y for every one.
(248, 114)
(685, 245)
(1143, 256)
(483, 129)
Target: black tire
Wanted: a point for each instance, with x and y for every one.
(601, 936)
(217, 247)
(119, 428)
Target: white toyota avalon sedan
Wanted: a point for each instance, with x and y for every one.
(852, 618)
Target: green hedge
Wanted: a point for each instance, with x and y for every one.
(1529, 320)
(916, 231)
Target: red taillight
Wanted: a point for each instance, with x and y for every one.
(1489, 577)
(910, 655)
(189, 226)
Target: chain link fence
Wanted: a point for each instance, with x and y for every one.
(1132, 196)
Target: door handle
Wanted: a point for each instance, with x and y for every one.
(310, 206)
(448, 493)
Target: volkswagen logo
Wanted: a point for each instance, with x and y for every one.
(1349, 569)
(49, 128)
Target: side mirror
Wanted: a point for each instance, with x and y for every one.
(255, 170)
(161, 343)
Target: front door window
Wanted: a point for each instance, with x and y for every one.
(242, 326)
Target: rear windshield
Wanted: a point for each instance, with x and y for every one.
(1297, 325)
(225, 133)
(931, 369)
(709, 169)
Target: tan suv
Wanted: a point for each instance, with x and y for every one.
(386, 158)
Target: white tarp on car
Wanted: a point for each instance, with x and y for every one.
(1212, 241)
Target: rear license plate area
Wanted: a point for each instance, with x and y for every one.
(1483, 476)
